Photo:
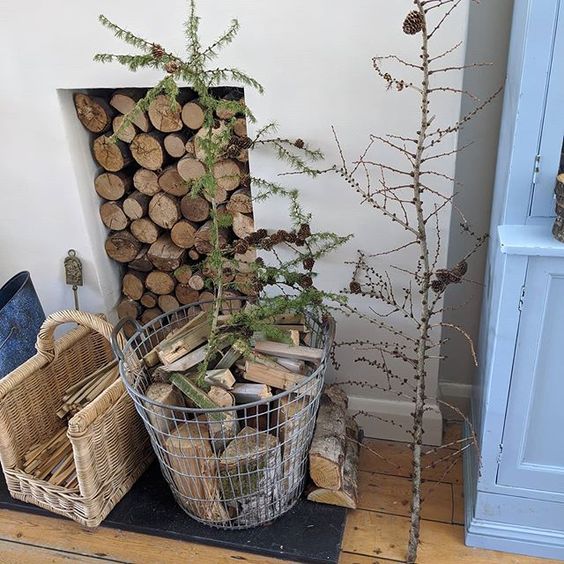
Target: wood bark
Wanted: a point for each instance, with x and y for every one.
(124, 102)
(111, 156)
(112, 216)
(165, 255)
(183, 234)
(122, 246)
(164, 210)
(192, 115)
(146, 181)
(172, 183)
(195, 208)
(136, 205)
(327, 451)
(145, 230)
(175, 144)
(163, 115)
(160, 283)
(94, 113)
(112, 185)
(148, 151)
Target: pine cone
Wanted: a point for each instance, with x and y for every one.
(241, 247)
(460, 269)
(171, 67)
(305, 281)
(443, 275)
(157, 51)
(291, 237)
(354, 287)
(299, 143)
(277, 238)
(242, 142)
(304, 231)
(413, 23)
(309, 263)
(438, 287)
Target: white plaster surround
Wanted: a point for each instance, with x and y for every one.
(314, 60)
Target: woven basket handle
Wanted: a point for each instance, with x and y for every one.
(45, 344)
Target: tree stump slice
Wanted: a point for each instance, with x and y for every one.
(148, 151)
(109, 155)
(240, 202)
(146, 181)
(196, 281)
(135, 206)
(149, 300)
(183, 274)
(219, 197)
(133, 285)
(141, 262)
(94, 113)
(192, 115)
(186, 295)
(150, 314)
(124, 102)
(122, 246)
(164, 210)
(217, 133)
(160, 283)
(112, 185)
(190, 169)
(227, 174)
(183, 234)
(172, 183)
(168, 303)
(113, 217)
(165, 255)
(163, 116)
(145, 230)
(240, 127)
(125, 134)
(195, 208)
(243, 225)
(128, 308)
(175, 145)
(203, 238)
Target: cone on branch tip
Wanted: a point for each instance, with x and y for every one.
(413, 23)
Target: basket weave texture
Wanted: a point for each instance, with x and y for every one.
(110, 445)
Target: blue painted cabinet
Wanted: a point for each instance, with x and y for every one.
(514, 481)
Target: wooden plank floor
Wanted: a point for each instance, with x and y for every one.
(376, 532)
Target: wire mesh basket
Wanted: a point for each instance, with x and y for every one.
(234, 467)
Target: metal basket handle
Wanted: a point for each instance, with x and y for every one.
(117, 340)
(45, 343)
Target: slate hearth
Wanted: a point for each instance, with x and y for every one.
(310, 532)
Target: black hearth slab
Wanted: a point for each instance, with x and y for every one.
(309, 532)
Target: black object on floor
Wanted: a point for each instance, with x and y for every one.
(309, 532)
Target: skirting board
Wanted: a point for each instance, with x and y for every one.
(391, 420)
(457, 395)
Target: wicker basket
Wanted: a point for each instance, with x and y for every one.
(110, 445)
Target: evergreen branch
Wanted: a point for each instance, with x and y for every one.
(127, 36)
(212, 51)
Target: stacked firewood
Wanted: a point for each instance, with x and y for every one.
(234, 464)
(558, 229)
(52, 460)
(159, 232)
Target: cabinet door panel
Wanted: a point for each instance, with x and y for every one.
(533, 438)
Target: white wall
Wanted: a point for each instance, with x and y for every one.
(314, 59)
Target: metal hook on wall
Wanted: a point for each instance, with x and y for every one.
(73, 274)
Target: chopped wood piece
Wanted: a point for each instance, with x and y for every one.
(218, 136)
(293, 365)
(196, 281)
(112, 185)
(222, 397)
(187, 361)
(207, 299)
(122, 246)
(186, 295)
(190, 336)
(189, 454)
(112, 216)
(124, 102)
(275, 377)
(145, 230)
(248, 393)
(192, 115)
(163, 419)
(111, 156)
(227, 174)
(141, 262)
(196, 396)
(168, 303)
(221, 377)
(348, 495)
(135, 206)
(190, 169)
(327, 451)
(149, 300)
(240, 202)
(175, 145)
(230, 357)
(289, 319)
(133, 284)
(125, 134)
(243, 225)
(164, 210)
(183, 234)
(165, 255)
(146, 181)
(204, 235)
(172, 183)
(160, 283)
(150, 314)
(221, 432)
(195, 208)
(240, 127)
(148, 151)
(183, 273)
(164, 115)
(219, 197)
(94, 113)
(288, 351)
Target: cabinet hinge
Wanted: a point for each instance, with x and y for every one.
(521, 299)
(499, 453)
(536, 169)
